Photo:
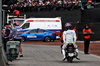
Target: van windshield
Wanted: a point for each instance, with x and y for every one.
(19, 21)
(26, 25)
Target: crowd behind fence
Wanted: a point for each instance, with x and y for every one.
(38, 5)
(43, 5)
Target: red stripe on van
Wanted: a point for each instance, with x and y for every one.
(57, 20)
(29, 20)
(43, 21)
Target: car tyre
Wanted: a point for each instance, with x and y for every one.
(23, 39)
(47, 39)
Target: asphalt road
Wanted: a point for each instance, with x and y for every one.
(44, 55)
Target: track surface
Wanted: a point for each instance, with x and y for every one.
(46, 55)
(94, 47)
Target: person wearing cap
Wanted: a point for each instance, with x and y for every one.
(5, 35)
(87, 32)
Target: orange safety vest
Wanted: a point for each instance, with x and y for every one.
(87, 36)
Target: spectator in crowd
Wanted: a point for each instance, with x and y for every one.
(37, 5)
(65, 4)
(83, 3)
(6, 35)
(69, 6)
(47, 4)
(94, 2)
(79, 4)
(55, 5)
(28, 5)
(89, 2)
(75, 4)
(59, 4)
(17, 31)
(87, 32)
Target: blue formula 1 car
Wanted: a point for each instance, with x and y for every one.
(38, 34)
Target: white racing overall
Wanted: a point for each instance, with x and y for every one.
(69, 36)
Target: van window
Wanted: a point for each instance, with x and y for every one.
(26, 25)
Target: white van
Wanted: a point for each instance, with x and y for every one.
(51, 24)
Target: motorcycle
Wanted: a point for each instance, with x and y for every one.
(70, 52)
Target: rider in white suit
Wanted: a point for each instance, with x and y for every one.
(69, 36)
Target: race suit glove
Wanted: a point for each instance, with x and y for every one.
(64, 42)
(74, 42)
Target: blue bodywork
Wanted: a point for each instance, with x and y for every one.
(38, 34)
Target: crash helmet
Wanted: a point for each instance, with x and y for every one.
(68, 25)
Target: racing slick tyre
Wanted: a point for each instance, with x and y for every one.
(23, 39)
(47, 39)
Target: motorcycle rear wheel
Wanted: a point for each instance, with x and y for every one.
(70, 59)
